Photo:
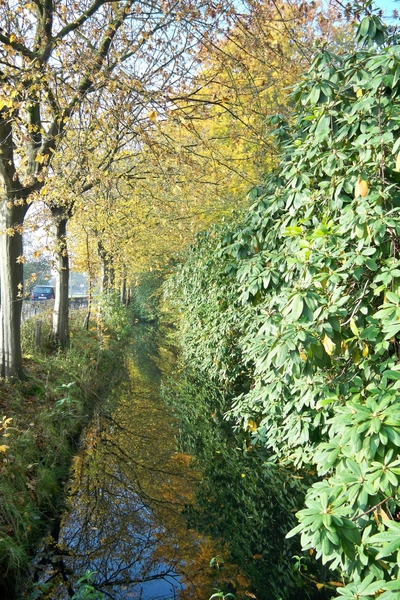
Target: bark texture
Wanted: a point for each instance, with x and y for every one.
(11, 271)
(61, 303)
(107, 270)
(13, 211)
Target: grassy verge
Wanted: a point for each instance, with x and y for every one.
(40, 422)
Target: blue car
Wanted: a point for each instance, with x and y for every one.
(42, 292)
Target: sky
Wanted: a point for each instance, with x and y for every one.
(387, 6)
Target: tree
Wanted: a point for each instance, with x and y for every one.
(200, 151)
(40, 93)
(54, 57)
(94, 141)
(221, 119)
(212, 144)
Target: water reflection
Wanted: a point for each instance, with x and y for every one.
(129, 490)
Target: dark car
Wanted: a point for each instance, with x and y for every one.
(42, 292)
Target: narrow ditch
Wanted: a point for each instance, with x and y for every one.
(124, 521)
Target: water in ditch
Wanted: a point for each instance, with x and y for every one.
(130, 487)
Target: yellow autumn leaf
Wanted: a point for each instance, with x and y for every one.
(251, 425)
(365, 350)
(13, 38)
(152, 116)
(6, 103)
(40, 158)
(4, 448)
(320, 586)
(385, 516)
(303, 356)
(328, 344)
(361, 188)
(359, 93)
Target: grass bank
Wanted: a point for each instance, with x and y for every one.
(40, 422)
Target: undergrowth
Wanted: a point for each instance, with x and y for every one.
(40, 422)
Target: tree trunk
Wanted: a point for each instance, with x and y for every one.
(90, 301)
(123, 291)
(111, 275)
(38, 333)
(11, 271)
(105, 268)
(90, 290)
(60, 314)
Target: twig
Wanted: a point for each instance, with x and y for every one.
(371, 509)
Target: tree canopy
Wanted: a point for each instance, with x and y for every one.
(59, 61)
(191, 161)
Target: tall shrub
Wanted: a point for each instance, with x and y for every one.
(314, 275)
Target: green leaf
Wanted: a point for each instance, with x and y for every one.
(392, 297)
(388, 549)
(391, 329)
(297, 307)
(371, 29)
(294, 531)
(323, 126)
(384, 313)
(354, 328)
(317, 350)
(391, 374)
(370, 333)
(363, 28)
(371, 264)
(315, 94)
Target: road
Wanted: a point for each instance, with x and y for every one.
(32, 308)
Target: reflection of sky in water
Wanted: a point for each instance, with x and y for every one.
(113, 532)
(126, 497)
